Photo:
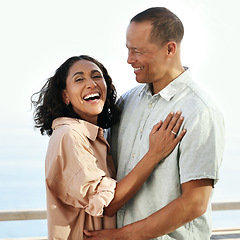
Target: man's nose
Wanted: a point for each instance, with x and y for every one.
(131, 58)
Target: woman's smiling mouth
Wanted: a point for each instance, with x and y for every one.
(92, 97)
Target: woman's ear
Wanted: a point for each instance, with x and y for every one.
(65, 97)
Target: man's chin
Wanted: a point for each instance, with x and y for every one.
(140, 80)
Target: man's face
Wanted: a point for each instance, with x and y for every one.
(148, 59)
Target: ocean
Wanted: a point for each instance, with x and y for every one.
(22, 185)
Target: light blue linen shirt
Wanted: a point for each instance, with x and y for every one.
(197, 156)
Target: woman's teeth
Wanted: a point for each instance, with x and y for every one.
(91, 96)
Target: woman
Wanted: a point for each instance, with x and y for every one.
(74, 107)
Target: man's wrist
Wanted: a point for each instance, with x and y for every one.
(134, 231)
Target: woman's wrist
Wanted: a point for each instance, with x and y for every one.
(153, 158)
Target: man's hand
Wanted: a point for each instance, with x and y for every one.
(191, 204)
(113, 234)
(106, 234)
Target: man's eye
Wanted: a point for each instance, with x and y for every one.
(138, 52)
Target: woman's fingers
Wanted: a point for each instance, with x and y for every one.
(156, 127)
(167, 120)
(172, 124)
(164, 135)
(171, 120)
(175, 119)
(176, 127)
(180, 135)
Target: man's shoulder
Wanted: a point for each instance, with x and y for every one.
(133, 92)
(199, 96)
(193, 91)
(197, 104)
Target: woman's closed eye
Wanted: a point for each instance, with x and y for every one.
(79, 79)
(97, 76)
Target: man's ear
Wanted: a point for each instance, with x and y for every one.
(171, 48)
(65, 97)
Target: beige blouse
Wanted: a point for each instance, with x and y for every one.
(78, 179)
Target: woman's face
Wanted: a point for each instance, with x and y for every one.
(86, 90)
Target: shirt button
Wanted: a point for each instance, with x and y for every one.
(141, 130)
(133, 155)
(150, 105)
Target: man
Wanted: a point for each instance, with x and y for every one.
(174, 203)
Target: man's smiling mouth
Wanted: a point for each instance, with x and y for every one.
(138, 69)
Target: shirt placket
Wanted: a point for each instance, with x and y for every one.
(134, 156)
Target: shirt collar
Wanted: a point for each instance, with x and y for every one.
(90, 130)
(172, 88)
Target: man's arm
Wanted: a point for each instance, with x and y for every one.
(191, 204)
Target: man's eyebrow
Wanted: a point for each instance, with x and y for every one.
(134, 48)
(130, 47)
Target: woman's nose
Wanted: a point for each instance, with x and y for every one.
(90, 83)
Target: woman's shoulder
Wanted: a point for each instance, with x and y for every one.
(75, 128)
(67, 128)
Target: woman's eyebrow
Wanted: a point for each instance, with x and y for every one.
(81, 73)
(95, 71)
(76, 73)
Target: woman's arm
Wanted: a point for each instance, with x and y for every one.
(161, 143)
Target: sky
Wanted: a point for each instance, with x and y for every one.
(38, 36)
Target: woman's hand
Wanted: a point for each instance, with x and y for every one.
(164, 136)
(162, 141)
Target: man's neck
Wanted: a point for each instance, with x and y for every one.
(158, 86)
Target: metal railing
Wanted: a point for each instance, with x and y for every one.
(219, 206)
(27, 214)
(34, 214)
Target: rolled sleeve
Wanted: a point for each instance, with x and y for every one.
(103, 197)
(202, 147)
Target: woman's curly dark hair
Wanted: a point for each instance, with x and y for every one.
(49, 104)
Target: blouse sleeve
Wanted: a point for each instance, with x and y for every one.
(82, 183)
